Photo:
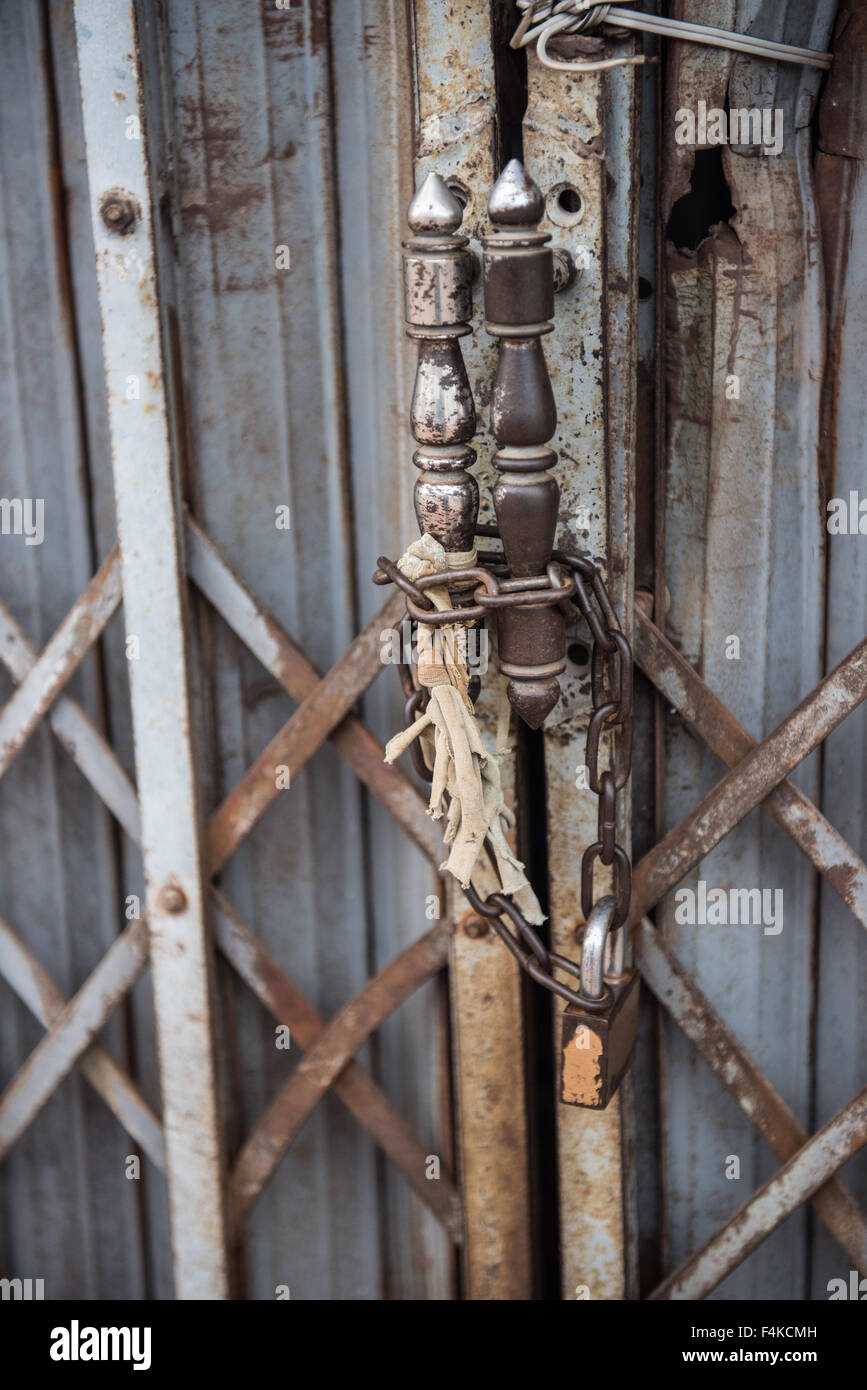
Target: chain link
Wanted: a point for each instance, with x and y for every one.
(611, 687)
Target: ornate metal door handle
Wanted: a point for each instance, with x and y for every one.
(438, 302)
(528, 589)
(519, 307)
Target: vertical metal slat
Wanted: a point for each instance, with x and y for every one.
(155, 611)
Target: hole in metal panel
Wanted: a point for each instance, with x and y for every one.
(565, 205)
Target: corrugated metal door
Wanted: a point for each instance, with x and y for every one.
(225, 377)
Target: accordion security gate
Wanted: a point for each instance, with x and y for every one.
(485, 1210)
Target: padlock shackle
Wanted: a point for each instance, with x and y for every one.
(593, 945)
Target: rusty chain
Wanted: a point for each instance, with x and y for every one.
(612, 708)
(611, 687)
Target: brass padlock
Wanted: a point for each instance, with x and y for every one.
(598, 1038)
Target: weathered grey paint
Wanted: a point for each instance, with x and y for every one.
(841, 174)
(69, 1214)
(292, 130)
(744, 557)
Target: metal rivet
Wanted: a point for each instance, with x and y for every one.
(475, 927)
(118, 211)
(565, 270)
(172, 899)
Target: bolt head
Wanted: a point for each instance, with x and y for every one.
(172, 899)
(119, 211)
(565, 270)
(476, 927)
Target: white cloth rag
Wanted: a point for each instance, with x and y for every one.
(466, 777)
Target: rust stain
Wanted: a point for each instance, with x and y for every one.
(221, 207)
(256, 692)
(582, 1068)
(318, 11)
(843, 878)
(843, 111)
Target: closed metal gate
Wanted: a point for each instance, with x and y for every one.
(230, 384)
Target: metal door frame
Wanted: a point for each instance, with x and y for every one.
(186, 915)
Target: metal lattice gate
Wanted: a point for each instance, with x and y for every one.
(592, 138)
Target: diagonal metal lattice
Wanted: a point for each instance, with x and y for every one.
(73, 1025)
(758, 776)
(835, 1204)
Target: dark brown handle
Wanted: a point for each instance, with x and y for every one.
(519, 304)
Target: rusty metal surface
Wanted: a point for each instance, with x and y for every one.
(775, 1200)
(374, 143)
(738, 1072)
(318, 713)
(842, 192)
(750, 301)
(840, 170)
(743, 556)
(261, 632)
(687, 693)
(311, 166)
(763, 768)
(72, 1031)
(75, 731)
(323, 1063)
(283, 658)
(63, 653)
(569, 134)
(101, 767)
(248, 167)
(35, 988)
(589, 1157)
(155, 611)
(456, 134)
(596, 1050)
(273, 987)
(72, 1027)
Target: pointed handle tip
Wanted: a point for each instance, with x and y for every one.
(434, 207)
(515, 199)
